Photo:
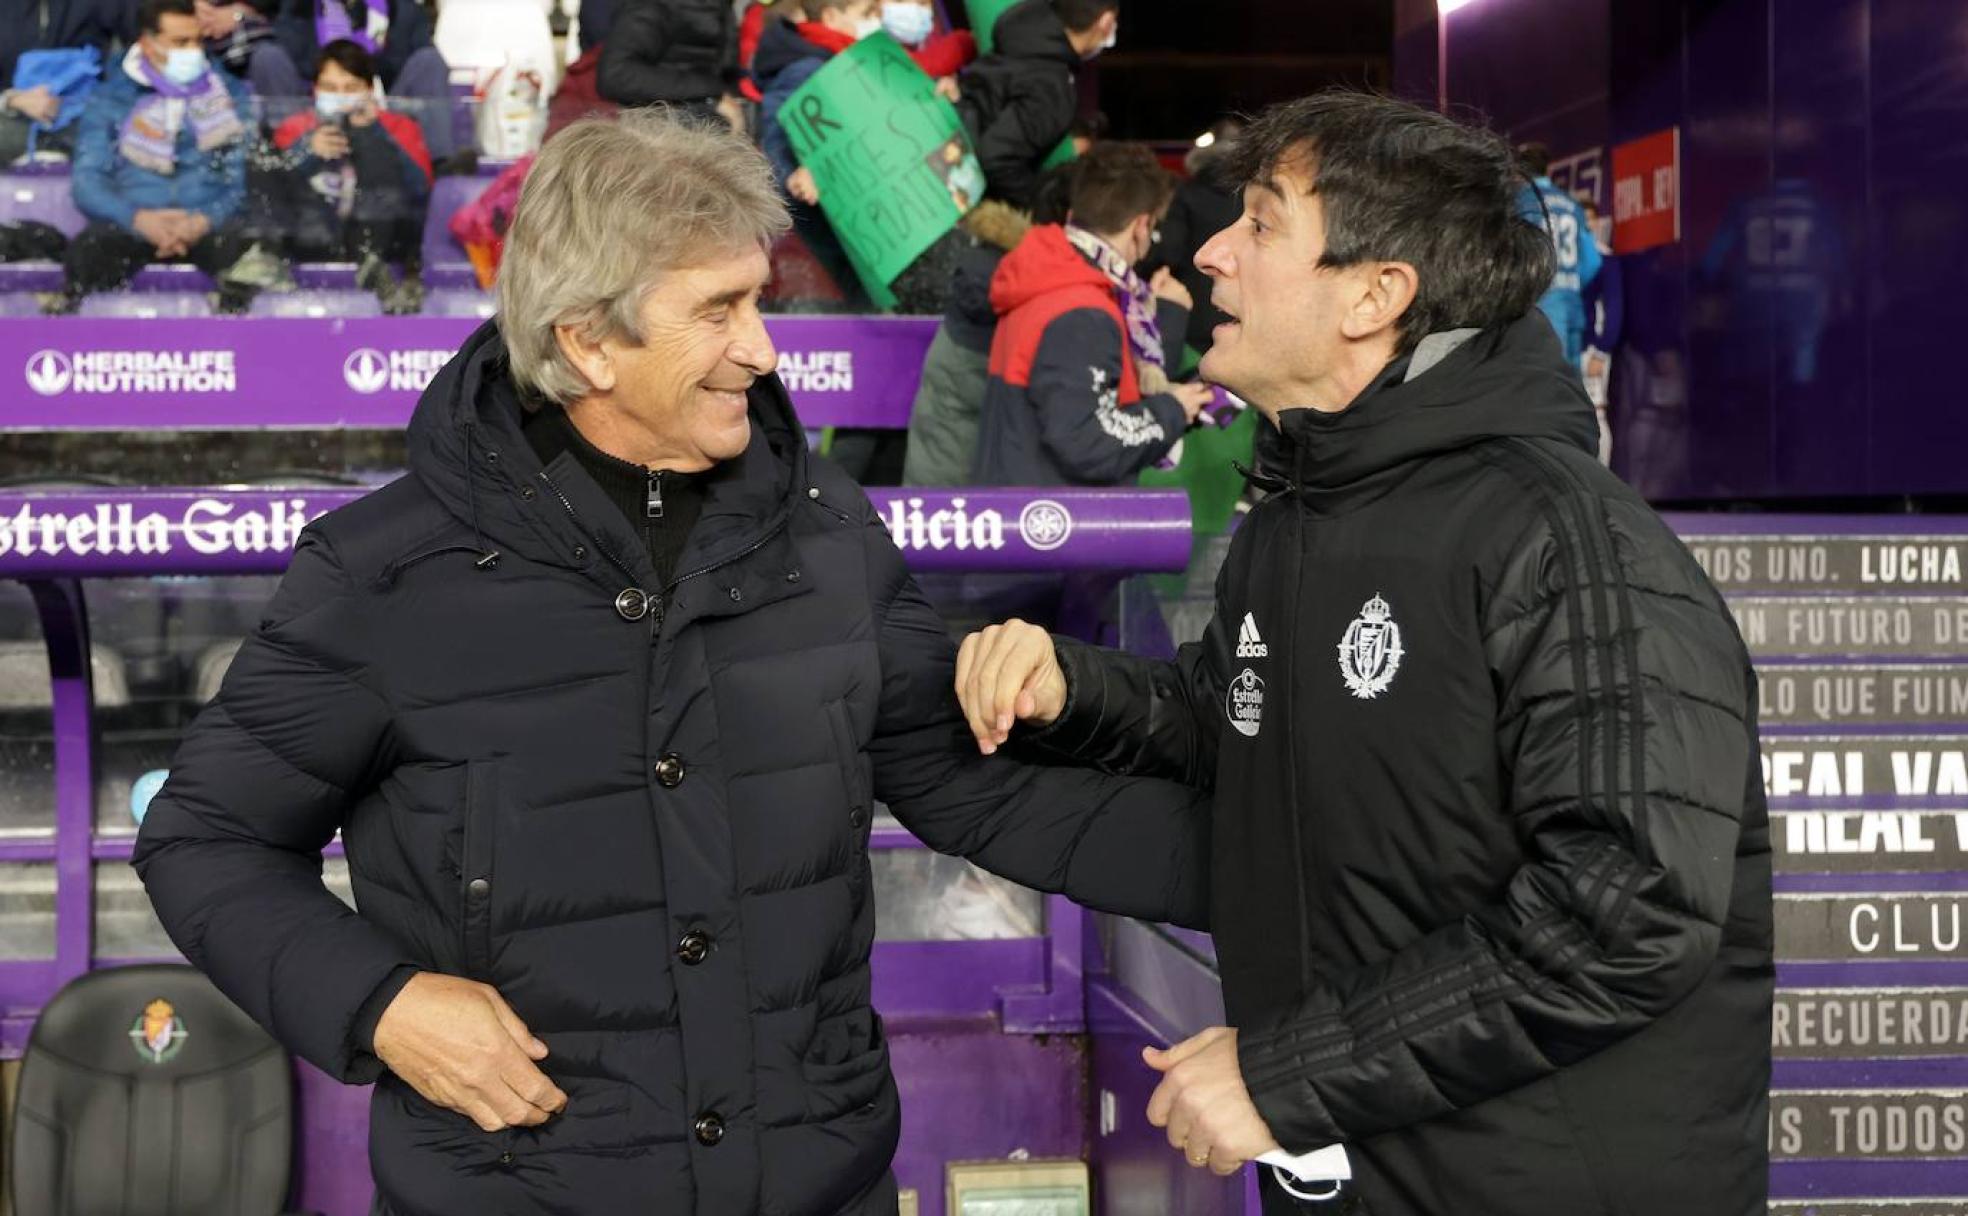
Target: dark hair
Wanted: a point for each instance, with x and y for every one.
(1399, 183)
(350, 57)
(1090, 126)
(1077, 15)
(151, 13)
(1535, 157)
(1114, 182)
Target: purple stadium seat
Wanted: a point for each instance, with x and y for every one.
(19, 304)
(30, 276)
(145, 304)
(325, 276)
(171, 276)
(445, 263)
(39, 196)
(316, 303)
(457, 302)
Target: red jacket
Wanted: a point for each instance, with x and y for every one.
(404, 131)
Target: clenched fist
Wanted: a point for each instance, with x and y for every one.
(1008, 672)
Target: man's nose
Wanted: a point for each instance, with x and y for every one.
(752, 349)
(1214, 258)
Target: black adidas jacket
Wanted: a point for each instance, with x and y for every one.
(1491, 849)
(642, 817)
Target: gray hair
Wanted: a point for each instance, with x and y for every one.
(609, 205)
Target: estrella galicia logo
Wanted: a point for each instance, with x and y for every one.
(366, 370)
(1045, 524)
(1244, 703)
(159, 1033)
(48, 372)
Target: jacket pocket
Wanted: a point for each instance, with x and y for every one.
(833, 1089)
(475, 875)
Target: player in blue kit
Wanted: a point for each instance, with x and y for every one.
(1551, 209)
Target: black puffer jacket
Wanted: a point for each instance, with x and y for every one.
(679, 52)
(646, 827)
(1019, 101)
(1492, 854)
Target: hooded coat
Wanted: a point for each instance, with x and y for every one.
(639, 810)
(1019, 101)
(1063, 404)
(1492, 863)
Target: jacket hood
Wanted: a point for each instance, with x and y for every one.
(1457, 389)
(780, 47)
(1031, 30)
(997, 222)
(1044, 261)
(467, 448)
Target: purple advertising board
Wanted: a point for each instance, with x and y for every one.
(106, 533)
(120, 373)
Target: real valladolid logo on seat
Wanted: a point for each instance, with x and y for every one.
(1370, 653)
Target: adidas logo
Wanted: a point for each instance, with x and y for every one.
(1249, 645)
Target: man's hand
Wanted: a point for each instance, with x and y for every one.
(328, 142)
(802, 186)
(37, 103)
(947, 89)
(161, 227)
(1203, 1103)
(192, 228)
(1008, 671)
(460, 1045)
(731, 108)
(1167, 287)
(1193, 397)
(215, 20)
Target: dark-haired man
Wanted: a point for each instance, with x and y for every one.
(1491, 856)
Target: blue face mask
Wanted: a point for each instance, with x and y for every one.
(334, 105)
(184, 64)
(908, 24)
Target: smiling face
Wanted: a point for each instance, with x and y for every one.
(676, 400)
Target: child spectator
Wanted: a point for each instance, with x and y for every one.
(353, 181)
(1077, 393)
(1019, 101)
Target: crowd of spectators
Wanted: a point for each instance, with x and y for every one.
(247, 136)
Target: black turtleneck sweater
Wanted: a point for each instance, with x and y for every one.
(662, 506)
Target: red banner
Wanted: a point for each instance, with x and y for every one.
(1647, 192)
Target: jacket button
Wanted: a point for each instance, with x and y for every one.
(632, 604)
(479, 888)
(694, 948)
(506, 1158)
(854, 818)
(709, 1129)
(669, 771)
(736, 595)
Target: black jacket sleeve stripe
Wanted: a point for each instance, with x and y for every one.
(1600, 932)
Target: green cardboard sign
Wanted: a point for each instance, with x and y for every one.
(893, 165)
(984, 16)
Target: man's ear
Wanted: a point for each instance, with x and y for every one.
(587, 355)
(1385, 292)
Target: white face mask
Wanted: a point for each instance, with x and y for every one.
(184, 64)
(909, 24)
(334, 105)
(866, 26)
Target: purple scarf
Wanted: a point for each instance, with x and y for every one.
(1136, 301)
(149, 136)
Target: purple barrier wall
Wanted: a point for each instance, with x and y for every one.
(1787, 344)
(92, 533)
(201, 374)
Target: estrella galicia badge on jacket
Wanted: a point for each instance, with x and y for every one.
(1245, 704)
(159, 1033)
(1370, 653)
